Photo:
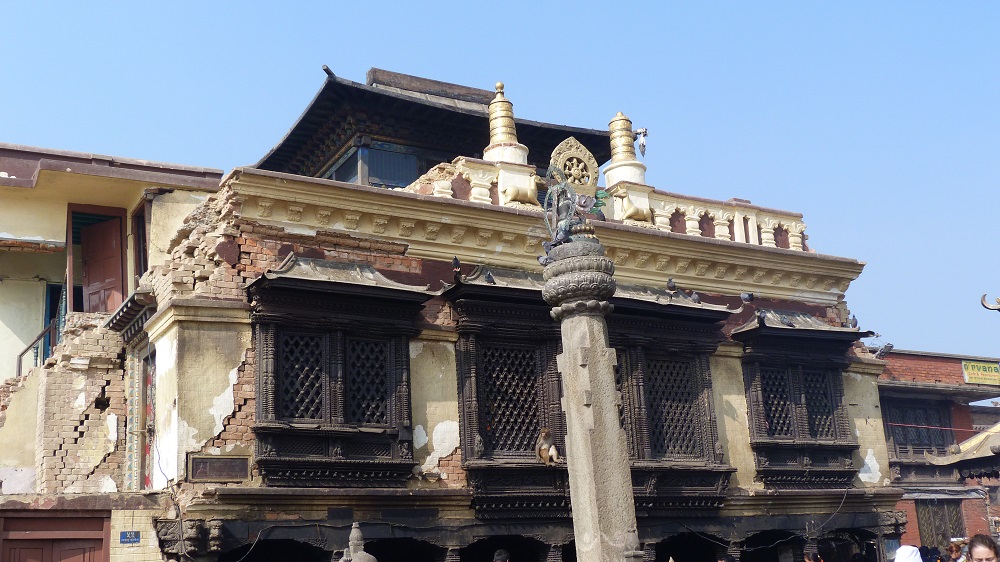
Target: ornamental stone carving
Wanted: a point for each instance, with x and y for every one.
(578, 164)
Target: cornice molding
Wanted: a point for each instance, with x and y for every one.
(440, 228)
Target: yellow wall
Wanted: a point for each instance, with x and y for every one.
(434, 395)
(731, 414)
(861, 397)
(17, 456)
(168, 213)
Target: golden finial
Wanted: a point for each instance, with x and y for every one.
(622, 139)
(502, 119)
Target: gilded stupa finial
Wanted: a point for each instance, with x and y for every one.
(502, 119)
(622, 139)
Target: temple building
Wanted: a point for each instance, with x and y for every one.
(343, 352)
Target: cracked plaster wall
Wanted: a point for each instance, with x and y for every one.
(197, 365)
(865, 415)
(166, 217)
(434, 395)
(17, 456)
(731, 415)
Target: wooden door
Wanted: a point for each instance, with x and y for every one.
(80, 550)
(102, 266)
(27, 551)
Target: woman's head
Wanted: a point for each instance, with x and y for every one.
(955, 550)
(814, 557)
(983, 549)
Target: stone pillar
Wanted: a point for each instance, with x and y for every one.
(578, 283)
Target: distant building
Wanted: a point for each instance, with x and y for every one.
(927, 414)
(352, 331)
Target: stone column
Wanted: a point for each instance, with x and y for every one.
(578, 283)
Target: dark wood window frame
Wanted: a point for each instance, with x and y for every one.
(805, 442)
(328, 446)
(910, 427)
(507, 479)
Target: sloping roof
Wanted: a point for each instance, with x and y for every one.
(627, 296)
(455, 110)
(978, 455)
(20, 166)
(796, 323)
(303, 273)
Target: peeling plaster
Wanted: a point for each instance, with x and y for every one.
(112, 428)
(107, 485)
(870, 472)
(444, 441)
(81, 401)
(224, 404)
(419, 437)
(17, 480)
(186, 437)
(416, 348)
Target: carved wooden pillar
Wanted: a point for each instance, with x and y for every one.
(734, 549)
(649, 552)
(452, 556)
(338, 404)
(555, 554)
(265, 351)
(811, 547)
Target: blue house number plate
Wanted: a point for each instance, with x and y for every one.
(129, 537)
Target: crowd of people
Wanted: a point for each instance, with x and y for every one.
(980, 548)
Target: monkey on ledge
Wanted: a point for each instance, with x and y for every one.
(545, 448)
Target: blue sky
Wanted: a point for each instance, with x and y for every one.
(880, 122)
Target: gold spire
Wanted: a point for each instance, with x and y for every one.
(622, 139)
(502, 119)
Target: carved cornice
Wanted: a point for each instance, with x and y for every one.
(440, 228)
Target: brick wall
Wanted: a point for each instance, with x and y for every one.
(81, 413)
(148, 548)
(922, 368)
(974, 513)
(912, 534)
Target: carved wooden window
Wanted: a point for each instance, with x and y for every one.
(508, 391)
(332, 377)
(666, 404)
(333, 396)
(915, 427)
(797, 403)
(939, 521)
(516, 393)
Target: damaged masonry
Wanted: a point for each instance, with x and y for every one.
(348, 352)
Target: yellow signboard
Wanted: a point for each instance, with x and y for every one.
(981, 372)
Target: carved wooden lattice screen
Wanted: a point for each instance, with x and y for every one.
(673, 390)
(302, 376)
(508, 397)
(818, 399)
(367, 381)
(778, 408)
(939, 521)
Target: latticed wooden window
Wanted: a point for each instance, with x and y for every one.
(818, 401)
(798, 403)
(779, 410)
(367, 376)
(306, 368)
(673, 392)
(915, 428)
(939, 521)
(302, 376)
(508, 398)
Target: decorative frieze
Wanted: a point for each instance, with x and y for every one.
(436, 228)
